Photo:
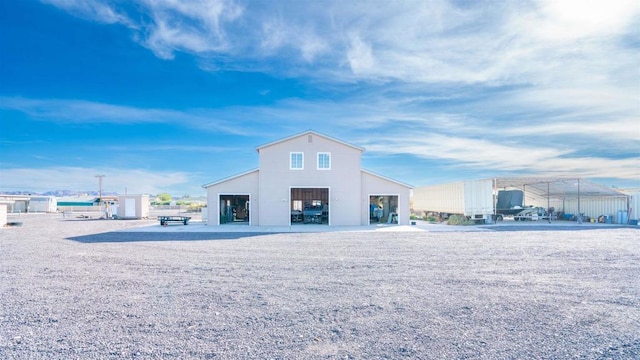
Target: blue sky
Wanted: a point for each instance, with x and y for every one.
(168, 95)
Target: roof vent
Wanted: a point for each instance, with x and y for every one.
(310, 138)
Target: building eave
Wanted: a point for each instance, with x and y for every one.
(220, 181)
(309, 132)
(387, 178)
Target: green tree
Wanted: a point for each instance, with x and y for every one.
(164, 197)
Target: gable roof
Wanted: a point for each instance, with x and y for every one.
(309, 132)
(386, 178)
(229, 178)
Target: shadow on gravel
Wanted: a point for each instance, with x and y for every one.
(123, 237)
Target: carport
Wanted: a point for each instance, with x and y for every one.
(570, 195)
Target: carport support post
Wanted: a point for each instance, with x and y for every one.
(579, 213)
(548, 205)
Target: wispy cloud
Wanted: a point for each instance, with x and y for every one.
(507, 158)
(81, 111)
(413, 40)
(135, 181)
(95, 10)
(512, 86)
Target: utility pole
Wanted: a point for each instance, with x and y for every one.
(100, 184)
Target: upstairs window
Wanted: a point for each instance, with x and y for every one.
(324, 161)
(297, 161)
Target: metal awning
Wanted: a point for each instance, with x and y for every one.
(556, 188)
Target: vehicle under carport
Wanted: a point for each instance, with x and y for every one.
(571, 198)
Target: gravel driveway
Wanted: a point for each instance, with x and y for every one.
(89, 289)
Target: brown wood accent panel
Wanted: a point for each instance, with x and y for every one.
(307, 195)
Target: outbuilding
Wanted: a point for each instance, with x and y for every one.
(131, 207)
(564, 198)
(308, 178)
(3, 212)
(30, 203)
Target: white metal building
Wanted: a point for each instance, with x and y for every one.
(133, 206)
(30, 203)
(570, 196)
(308, 178)
(3, 212)
(43, 204)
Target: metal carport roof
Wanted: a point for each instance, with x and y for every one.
(556, 187)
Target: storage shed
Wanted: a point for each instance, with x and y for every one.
(46, 204)
(133, 206)
(3, 213)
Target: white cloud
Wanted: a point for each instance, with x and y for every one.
(79, 111)
(509, 73)
(190, 26)
(414, 41)
(135, 181)
(91, 9)
(569, 20)
(360, 56)
(485, 155)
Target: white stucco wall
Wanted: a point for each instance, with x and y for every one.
(375, 185)
(246, 184)
(276, 179)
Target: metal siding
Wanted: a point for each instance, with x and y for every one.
(589, 206)
(343, 180)
(634, 205)
(447, 198)
(478, 197)
(468, 198)
(375, 185)
(246, 184)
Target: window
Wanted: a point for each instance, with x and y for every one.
(297, 205)
(324, 161)
(297, 161)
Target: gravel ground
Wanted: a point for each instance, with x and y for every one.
(90, 289)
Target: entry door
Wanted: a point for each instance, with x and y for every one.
(129, 207)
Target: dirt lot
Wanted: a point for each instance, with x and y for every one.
(89, 289)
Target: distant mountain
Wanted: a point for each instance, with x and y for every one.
(61, 193)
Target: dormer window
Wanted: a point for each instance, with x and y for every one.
(324, 161)
(296, 161)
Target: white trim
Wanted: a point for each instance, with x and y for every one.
(318, 160)
(378, 194)
(309, 132)
(291, 160)
(231, 194)
(387, 178)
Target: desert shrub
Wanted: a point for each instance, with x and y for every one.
(459, 220)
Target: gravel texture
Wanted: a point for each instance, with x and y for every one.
(90, 289)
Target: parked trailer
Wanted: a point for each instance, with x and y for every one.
(473, 199)
(532, 214)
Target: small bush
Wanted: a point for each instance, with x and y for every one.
(459, 220)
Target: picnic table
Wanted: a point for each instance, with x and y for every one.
(164, 220)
